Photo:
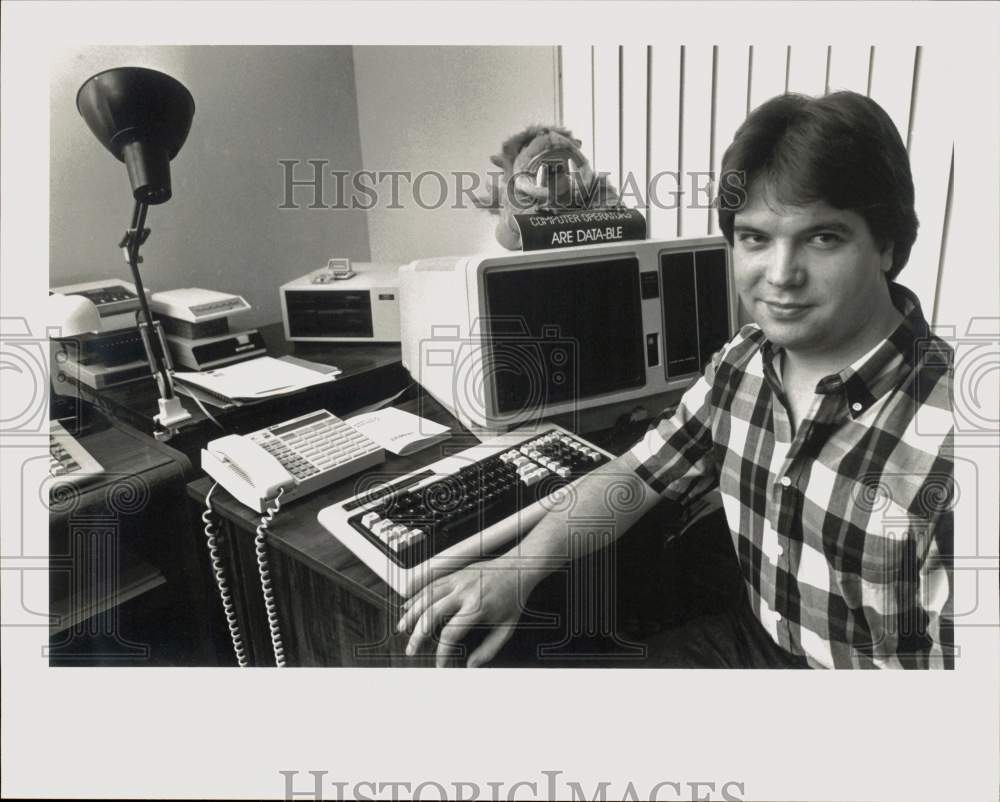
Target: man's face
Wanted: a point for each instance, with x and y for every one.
(811, 276)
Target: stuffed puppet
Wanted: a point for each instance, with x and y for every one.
(544, 171)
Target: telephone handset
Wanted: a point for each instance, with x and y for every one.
(300, 456)
(246, 470)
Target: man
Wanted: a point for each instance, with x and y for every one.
(837, 504)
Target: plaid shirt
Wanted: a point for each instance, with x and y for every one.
(844, 530)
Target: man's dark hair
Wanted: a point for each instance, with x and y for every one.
(842, 149)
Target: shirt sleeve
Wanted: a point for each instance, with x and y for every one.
(936, 595)
(927, 637)
(675, 458)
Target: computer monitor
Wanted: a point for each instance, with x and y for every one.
(502, 340)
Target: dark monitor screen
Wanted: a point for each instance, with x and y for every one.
(695, 308)
(563, 332)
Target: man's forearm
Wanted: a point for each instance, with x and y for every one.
(611, 499)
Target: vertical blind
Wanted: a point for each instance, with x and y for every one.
(657, 120)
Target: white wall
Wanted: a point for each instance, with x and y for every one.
(445, 109)
(416, 109)
(222, 229)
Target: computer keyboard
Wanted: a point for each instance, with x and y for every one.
(463, 507)
(68, 460)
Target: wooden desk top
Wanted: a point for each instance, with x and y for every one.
(123, 453)
(296, 531)
(369, 372)
(139, 397)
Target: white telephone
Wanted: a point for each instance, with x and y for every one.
(246, 470)
(296, 456)
(300, 456)
(254, 477)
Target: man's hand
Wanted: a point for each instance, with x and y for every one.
(485, 594)
(491, 594)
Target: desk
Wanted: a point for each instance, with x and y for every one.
(370, 372)
(123, 573)
(172, 567)
(333, 609)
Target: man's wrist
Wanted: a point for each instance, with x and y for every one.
(530, 569)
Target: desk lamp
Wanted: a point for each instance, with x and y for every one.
(142, 117)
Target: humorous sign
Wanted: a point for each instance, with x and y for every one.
(541, 231)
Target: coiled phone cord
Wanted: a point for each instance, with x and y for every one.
(220, 581)
(265, 578)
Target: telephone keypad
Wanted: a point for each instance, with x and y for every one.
(315, 445)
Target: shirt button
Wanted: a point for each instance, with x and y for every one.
(786, 481)
(857, 406)
(781, 550)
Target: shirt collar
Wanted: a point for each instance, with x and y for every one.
(878, 371)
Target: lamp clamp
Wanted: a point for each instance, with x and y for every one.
(133, 239)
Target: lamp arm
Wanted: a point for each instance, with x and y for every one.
(133, 240)
(171, 412)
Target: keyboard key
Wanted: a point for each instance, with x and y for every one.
(383, 526)
(532, 477)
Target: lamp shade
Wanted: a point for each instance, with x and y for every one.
(142, 117)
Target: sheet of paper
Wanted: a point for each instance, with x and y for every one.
(319, 367)
(398, 431)
(256, 378)
(198, 394)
